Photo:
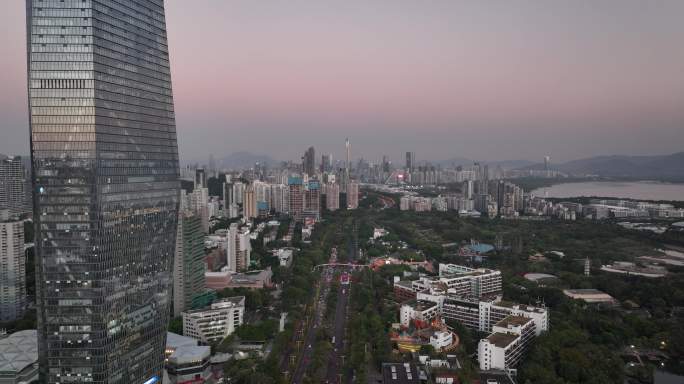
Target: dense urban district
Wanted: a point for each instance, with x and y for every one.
(121, 265)
(401, 283)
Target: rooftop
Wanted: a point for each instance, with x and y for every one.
(589, 295)
(404, 283)
(174, 340)
(191, 353)
(495, 377)
(421, 305)
(501, 340)
(18, 351)
(539, 276)
(587, 291)
(513, 321)
(398, 373)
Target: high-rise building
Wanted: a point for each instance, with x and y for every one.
(312, 200)
(228, 195)
(327, 162)
(296, 188)
(332, 196)
(199, 204)
(200, 178)
(249, 203)
(212, 166)
(238, 249)
(352, 195)
(188, 269)
(238, 191)
(12, 267)
(279, 198)
(347, 165)
(410, 160)
(309, 162)
(105, 175)
(13, 196)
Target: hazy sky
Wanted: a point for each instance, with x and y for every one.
(488, 80)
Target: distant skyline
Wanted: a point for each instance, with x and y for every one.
(485, 80)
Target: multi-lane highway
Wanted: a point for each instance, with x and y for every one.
(336, 359)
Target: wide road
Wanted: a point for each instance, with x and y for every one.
(313, 326)
(310, 338)
(335, 363)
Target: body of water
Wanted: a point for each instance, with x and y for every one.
(638, 190)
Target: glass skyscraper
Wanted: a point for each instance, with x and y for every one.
(105, 184)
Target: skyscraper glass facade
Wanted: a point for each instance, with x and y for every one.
(105, 180)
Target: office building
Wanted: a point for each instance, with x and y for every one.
(410, 160)
(215, 323)
(327, 163)
(12, 268)
(238, 191)
(105, 176)
(188, 270)
(13, 191)
(200, 178)
(199, 205)
(309, 162)
(228, 195)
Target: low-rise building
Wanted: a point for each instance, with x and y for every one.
(627, 268)
(284, 256)
(190, 364)
(455, 280)
(419, 310)
(591, 296)
(19, 357)
(215, 323)
(481, 314)
(227, 279)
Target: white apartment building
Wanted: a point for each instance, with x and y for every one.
(468, 281)
(507, 344)
(238, 248)
(482, 315)
(216, 323)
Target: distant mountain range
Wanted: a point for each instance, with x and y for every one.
(659, 167)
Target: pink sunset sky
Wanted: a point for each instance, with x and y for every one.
(487, 80)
